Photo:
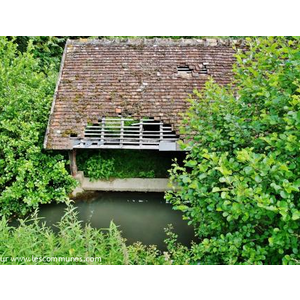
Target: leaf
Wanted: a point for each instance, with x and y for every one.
(283, 194)
(248, 170)
(296, 215)
(181, 208)
(224, 195)
(224, 170)
(191, 163)
(275, 186)
(258, 179)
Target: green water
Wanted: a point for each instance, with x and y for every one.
(140, 216)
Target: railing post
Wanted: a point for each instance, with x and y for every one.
(141, 134)
(122, 132)
(103, 130)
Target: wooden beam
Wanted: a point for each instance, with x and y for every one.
(73, 164)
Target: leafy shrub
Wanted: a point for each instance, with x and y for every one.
(47, 50)
(124, 164)
(32, 242)
(240, 182)
(29, 175)
(97, 167)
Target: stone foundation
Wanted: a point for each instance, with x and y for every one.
(122, 185)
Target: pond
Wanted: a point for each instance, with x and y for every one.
(140, 216)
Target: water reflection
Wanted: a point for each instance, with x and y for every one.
(141, 216)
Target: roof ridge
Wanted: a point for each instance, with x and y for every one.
(160, 42)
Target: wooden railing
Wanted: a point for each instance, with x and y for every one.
(123, 133)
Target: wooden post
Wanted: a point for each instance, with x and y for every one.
(73, 165)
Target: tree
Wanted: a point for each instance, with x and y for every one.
(239, 185)
(28, 174)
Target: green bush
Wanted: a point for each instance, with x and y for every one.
(29, 175)
(106, 164)
(97, 167)
(240, 182)
(32, 242)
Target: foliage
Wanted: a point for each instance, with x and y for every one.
(97, 167)
(124, 164)
(240, 181)
(32, 242)
(29, 176)
(49, 49)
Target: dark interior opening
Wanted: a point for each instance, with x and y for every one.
(151, 126)
(184, 69)
(204, 70)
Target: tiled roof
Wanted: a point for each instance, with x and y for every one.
(139, 77)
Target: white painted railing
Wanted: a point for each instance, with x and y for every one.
(123, 133)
